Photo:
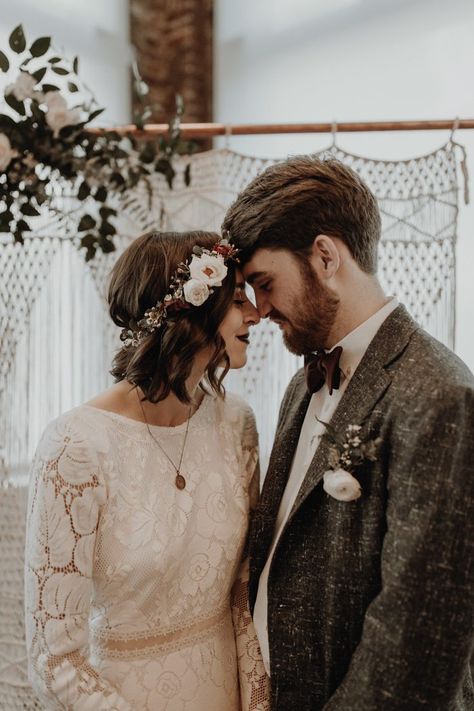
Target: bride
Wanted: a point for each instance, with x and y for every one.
(139, 502)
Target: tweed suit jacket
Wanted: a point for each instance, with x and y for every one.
(370, 602)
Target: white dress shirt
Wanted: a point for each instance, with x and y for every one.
(322, 406)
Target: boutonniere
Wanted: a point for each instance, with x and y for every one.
(346, 453)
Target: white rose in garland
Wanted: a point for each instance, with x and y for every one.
(23, 88)
(6, 152)
(341, 485)
(195, 292)
(54, 101)
(208, 269)
(58, 114)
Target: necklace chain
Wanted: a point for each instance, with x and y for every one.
(180, 481)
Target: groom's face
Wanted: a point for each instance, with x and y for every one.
(288, 291)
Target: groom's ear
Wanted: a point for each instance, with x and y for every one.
(325, 257)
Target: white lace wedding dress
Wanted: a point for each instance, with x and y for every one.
(128, 579)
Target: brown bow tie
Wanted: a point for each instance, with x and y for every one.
(323, 368)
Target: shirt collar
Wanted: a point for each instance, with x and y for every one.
(355, 343)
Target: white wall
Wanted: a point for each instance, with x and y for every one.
(320, 60)
(95, 30)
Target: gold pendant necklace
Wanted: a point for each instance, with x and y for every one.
(179, 481)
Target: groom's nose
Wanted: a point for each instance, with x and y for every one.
(264, 306)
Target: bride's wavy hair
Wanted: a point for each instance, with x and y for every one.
(163, 360)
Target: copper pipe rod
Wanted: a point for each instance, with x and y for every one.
(207, 130)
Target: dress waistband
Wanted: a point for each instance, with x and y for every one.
(126, 646)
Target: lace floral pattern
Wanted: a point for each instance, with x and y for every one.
(128, 579)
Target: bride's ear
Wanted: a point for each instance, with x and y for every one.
(325, 257)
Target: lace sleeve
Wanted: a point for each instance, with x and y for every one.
(254, 683)
(66, 493)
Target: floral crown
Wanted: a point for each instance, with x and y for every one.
(191, 285)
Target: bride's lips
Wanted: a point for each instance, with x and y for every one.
(244, 338)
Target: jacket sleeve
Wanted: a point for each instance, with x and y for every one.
(417, 638)
(65, 498)
(253, 680)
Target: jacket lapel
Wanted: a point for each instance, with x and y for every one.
(263, 519)
(366, 388)
(284, 447)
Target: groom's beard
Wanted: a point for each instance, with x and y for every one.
(312, 314)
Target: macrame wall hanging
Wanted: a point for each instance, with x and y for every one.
(57, 341)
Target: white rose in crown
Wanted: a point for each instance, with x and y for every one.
(6, 152)
(23, 88)
(341, 485)
(208, 269)
(195, 292)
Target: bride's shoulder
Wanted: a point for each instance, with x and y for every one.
(78, 428)
(235, 411)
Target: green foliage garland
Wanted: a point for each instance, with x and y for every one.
(44, 138)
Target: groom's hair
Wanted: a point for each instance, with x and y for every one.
(290, 203)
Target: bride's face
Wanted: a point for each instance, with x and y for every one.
(235, 327)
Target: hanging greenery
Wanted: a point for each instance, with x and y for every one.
(45, 139)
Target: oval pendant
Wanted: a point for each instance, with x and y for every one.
(180, 481)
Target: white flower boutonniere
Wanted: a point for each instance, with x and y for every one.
(345, 454)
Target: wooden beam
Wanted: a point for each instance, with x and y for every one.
(207, 130)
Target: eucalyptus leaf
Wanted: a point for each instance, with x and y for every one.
(49, 87)
(107, 229)
(36, 112)
(75, 65)
(54, 60)
(72, 87)
(87, 222)
(95, 113)
(7, 122)
(29, 210)
(101, 194)
(40, 46)
(22, 226)
(39, 74)
(17, 40)
(88, 241)
(117, 179)
(106, 245)
(60, 70)
(84, 191)
(187, 175)
(106, 212)
(164, 166)
(4, 62)
(16, 105)
(148, 153)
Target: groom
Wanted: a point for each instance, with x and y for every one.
(361, 555)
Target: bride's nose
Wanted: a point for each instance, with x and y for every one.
(251, 315)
